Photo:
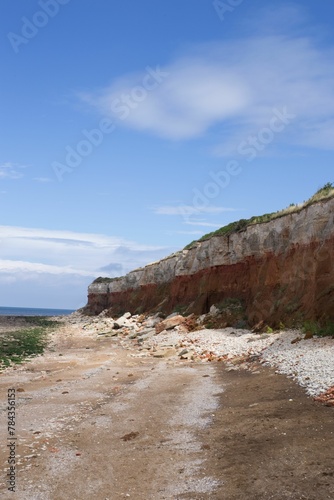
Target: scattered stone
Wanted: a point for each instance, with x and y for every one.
(214, 310)
(253, 358)
(151, 322)
(237, 360)
(297, 339)
(146, 333)
(123, 321)
(103, 314)
(187, 355)
(172, 315)
(327, 398)
(183, 352)
(112, 334)
(164, 353)
(169, 324)
(130, 436)
(258, 327)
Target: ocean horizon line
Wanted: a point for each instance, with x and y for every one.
(34, 311)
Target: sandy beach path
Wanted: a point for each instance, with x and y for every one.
(97, 420)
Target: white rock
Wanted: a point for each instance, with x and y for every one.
(214, 310)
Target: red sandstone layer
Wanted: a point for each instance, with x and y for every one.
(296, 285)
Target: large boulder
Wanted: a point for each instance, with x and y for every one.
(169, 323)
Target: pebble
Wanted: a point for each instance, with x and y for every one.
(310, 362)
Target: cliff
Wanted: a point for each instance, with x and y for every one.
(281, 271)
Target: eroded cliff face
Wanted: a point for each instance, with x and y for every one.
(283, 271)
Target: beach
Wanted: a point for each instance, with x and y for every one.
(116, 412)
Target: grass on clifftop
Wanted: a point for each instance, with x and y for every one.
(324, 193)
(102, 279)
(17, 346)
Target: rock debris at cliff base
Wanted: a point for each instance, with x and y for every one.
(310, 362)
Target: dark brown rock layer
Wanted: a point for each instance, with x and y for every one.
(289, 287)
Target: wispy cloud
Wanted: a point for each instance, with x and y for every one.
(43, 179)
(201, 222)
(64, 252)
(235, 85)
(190, 210)
(22, 267)
(59, 265)
(11, 170)
(189, 215)
(197, 94)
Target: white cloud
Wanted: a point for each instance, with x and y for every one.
(190, 210)
(70, 251)
(22, 267)
(193, 96)
(235, 85)
(55, 262)
(201, 222)
(11, 171)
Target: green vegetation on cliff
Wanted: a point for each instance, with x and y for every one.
(324, 193)
(102, 279)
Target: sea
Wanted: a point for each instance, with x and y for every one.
(29, 311)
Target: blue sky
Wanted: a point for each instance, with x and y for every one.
(128, 129)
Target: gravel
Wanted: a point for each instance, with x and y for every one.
(310, 362)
